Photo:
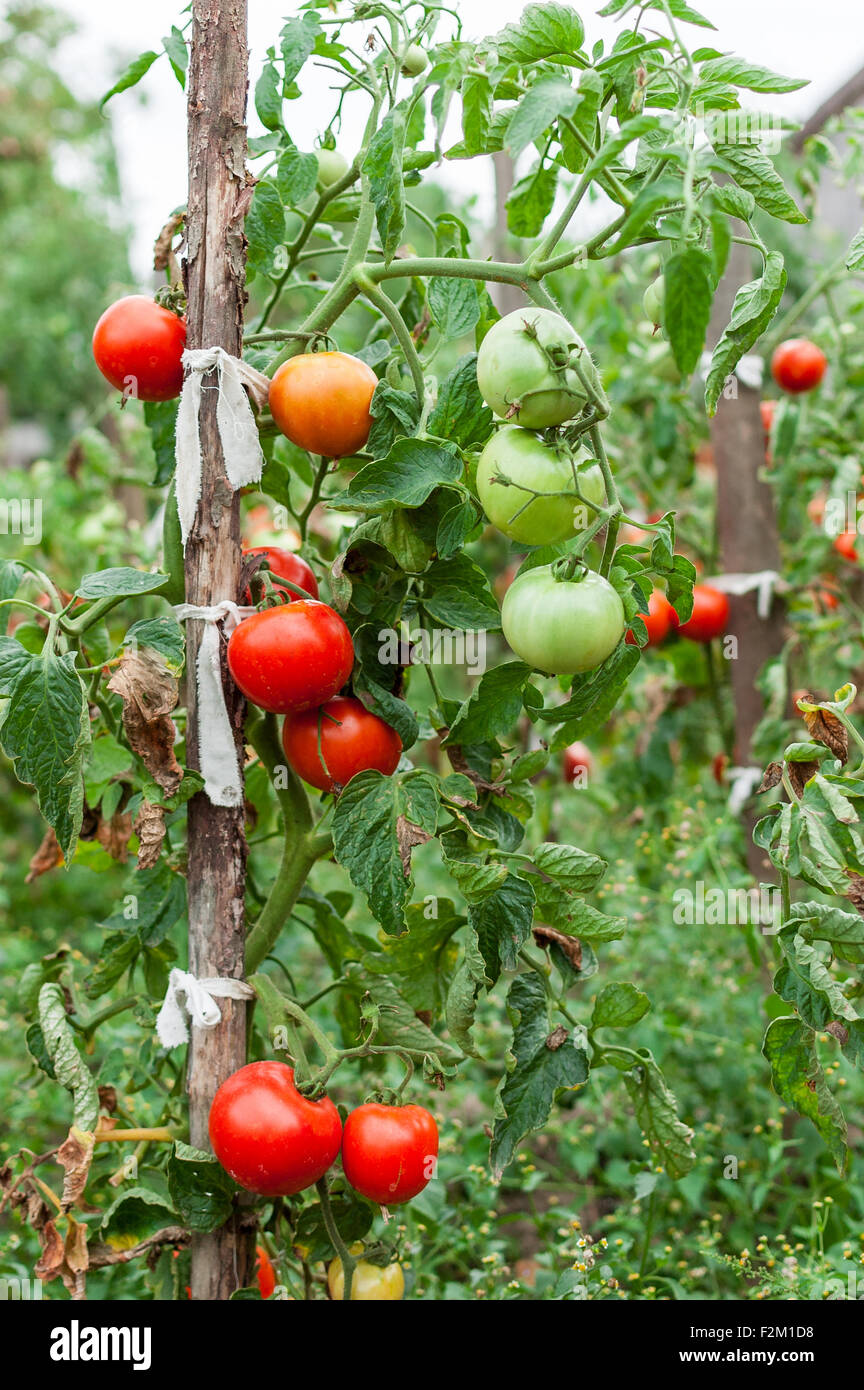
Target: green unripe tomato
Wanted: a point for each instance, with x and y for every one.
(565, 627)
(516, 377)
(415, 60)
(528, 462)
(653, 299)
(332, 166)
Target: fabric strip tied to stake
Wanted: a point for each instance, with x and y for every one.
(238, 430)
(187, 998)
(217, 752)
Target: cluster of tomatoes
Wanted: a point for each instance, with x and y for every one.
(527, 374)
(276, 1142)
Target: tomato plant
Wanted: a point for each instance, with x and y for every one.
(439, 922)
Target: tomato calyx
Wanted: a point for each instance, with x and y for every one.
(172, 298)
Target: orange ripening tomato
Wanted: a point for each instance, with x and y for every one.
(320, 401)
(767, 409)
(798, 365)
(264, 1271)
(709, 617)
(658, 620)
(353, 740)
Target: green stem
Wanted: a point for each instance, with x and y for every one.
(349, 1264)
(300, 847)
(384, 304)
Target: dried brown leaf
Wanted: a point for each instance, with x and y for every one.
(149, 694)
(51, 1260)
(773, 775)
(799, 774)
(113, 835)
(825, 727)
(75, 1155)
(570, 945)
(150, 828)
(48, 856)
(408, 835)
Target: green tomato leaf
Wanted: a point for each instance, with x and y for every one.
(296, 176)
(493, 707)
(656, 1112)
(619, 1006)
(540, 1063)
(46, 733)
(376, 823)
(460, 414)
(754, 171)
(132, 76)
(111, 583)
(542, 31)
(797, 1076)
(383, 168)
(265, 228)
(502, 922)
(748, 75)
(755, 305)
(687, 305)
(408, 475)
(540, 108)
(200, 1189)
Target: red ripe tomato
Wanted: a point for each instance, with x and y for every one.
(265, 1272)
(137, 345)
(767, 409)
(357, 742)
(290, 566)
(270, 1139)
(845, 545)
(719, 764)
(657, 620)
(577, 763)
(292, 657)
(798, 365)
(389, 1151)
(709, 617)
(321, 402)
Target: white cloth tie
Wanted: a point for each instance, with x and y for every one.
(743, 783)
(187, 998)
(768, 582)
(238, 429)
(217, 753)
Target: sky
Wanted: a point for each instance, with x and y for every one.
(824, 43)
